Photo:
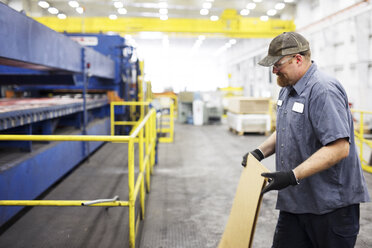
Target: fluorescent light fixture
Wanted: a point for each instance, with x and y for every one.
(163, 17)
(232, 41)
(163, 11)
(214, 18)
(279, 6)
(271, 12)
(61, 16)
(204, 12)
(122, 11)
(53, 10)
(43, 4)
(113, 17)
(288, 1)
(251, 5)
(257, 1)
(73, 4)
(264, 18)
(244, 12)
(207, 5)
(80, 10)
(210, 0)
(118, 5)
(163, 5)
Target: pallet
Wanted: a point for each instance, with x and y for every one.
(241, 133)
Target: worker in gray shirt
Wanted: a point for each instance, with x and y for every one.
(318, 172)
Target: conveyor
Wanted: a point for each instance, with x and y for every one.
(43, 66)
(19, 112)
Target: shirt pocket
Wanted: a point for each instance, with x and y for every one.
(297, 120)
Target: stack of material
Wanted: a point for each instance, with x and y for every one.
(247, 114)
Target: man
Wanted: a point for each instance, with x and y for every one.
(318, 175)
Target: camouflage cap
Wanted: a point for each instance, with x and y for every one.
(284, 44)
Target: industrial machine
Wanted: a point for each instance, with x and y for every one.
(54, 83)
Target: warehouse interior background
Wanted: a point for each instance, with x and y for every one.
(200, 52)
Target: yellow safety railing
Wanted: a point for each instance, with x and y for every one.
(359, 135)
(166, 125)
(144, 134)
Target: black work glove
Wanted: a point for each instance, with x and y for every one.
(279, 180)
(256, 153)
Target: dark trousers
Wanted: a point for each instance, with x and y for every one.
(337, 229)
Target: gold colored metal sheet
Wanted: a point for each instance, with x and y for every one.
(241, 224)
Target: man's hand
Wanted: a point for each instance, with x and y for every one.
(256, 153)
(279, 180)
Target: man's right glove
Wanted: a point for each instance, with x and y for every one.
(256, 153)
(279, 180)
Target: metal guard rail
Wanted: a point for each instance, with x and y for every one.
(359, 135)
(146, 163)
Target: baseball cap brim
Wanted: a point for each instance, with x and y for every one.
(270, 60)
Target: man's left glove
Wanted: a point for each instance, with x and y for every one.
(279, 180)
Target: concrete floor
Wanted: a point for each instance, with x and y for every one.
(192, 190)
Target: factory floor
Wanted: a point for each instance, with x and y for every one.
(192, 190)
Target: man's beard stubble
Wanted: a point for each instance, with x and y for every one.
(282, 81)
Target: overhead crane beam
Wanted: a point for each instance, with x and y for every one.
(229, 25)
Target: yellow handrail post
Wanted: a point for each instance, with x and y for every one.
(141, 169)
(147, 139)
(361, 133)
(171, 124)
(153, 141)
(112, 118)
(132, 230)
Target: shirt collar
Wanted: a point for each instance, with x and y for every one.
(300, 85)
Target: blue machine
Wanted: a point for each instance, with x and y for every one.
(36, 61)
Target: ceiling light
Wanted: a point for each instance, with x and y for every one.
(207, 5)
(244, 12)
(251, 5)
(279, 6)
(210, 0)
(73, 4)
(204, 12)
(113, 17)
(163, 5)
(61, 16)
(257, 1)
(80, 10)
(214, 18)
(163, 11)
(43, 4)
(288, 1)
(271, 12)
(53, 10)
(163, 17)
(264, 18)
(232, 41)
(118, 5)
(122, 11)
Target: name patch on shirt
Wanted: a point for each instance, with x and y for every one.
(298, 107)
(280, 102)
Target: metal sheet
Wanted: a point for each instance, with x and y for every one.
(241, 224)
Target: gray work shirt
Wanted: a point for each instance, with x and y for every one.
(310, 115)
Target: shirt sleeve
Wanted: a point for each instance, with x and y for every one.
(329, 115)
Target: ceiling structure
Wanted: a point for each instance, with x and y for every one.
(282, 9)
